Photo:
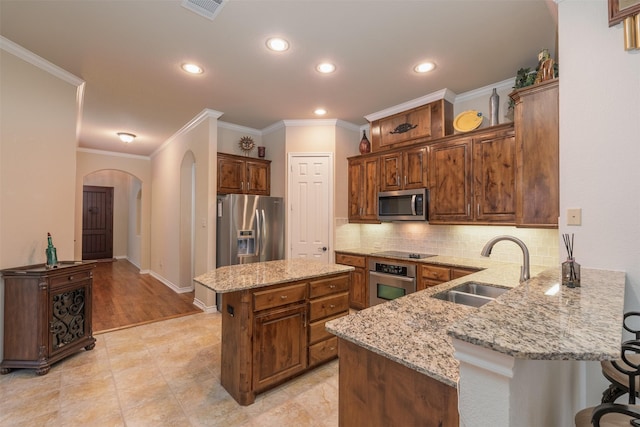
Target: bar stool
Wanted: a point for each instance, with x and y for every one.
(617, 371)
(612, 414)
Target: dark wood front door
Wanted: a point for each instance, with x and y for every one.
(97, 222)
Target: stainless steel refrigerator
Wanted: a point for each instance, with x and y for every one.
(249, 229)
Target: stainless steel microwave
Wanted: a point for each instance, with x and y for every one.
(403, 205)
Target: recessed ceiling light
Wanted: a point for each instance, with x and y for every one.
(277, 44)
(192, 68)
(326, 68)
(320, 112)
(424, 67)
(126, 137)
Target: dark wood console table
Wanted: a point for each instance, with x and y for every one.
(47, 314)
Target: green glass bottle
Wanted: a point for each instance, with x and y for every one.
(52, 257)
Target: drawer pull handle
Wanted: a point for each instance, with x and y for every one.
(283, 297)
(70, 277)
(332, 348)
(332, 306)
(332, 286)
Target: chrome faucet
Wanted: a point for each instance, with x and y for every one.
(524, 270)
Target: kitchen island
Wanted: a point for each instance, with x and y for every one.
(273, 320)
(537, 327)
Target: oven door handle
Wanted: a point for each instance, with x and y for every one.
(413, 205)
(391, 276)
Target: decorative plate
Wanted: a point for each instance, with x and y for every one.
(247, 144)
(467, 120)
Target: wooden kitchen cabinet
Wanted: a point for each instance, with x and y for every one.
(472, 178)
(47, 314)
(363, 189)
(359, 289)
(420, 124)
(537, 143)
(404, 169)
(242, 175)
(450, 177)
(273, 333)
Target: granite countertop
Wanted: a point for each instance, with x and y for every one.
(240, 277)
(416, 330)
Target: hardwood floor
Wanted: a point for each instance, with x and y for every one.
(122, 297)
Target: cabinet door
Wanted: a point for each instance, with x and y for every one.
(358, 295)
(391, 172)
(355, 195)
(230, 175)
(450, 181)
(369, 199)
(279, 345)
(494, 165)
(70, 316)
(258, 178)
(415, 168)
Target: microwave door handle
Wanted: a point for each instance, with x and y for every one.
(413, 205)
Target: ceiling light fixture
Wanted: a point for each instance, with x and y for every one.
(192, 68)
(320, 112)
(126, 137)
(424, 67)
(326, 68)
(277, 44)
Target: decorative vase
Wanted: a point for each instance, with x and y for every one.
(52, 257)
(571, 273)
(365, 145)
(261, 151)
(494, 104)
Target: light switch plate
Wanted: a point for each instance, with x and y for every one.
(574, 216)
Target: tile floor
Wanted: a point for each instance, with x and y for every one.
(161, 374)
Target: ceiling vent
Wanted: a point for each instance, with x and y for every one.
(207, 8)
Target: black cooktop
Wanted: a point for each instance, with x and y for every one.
(401, 254)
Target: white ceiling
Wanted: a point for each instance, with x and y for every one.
(129, 54)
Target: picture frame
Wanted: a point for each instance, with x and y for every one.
(621, 9)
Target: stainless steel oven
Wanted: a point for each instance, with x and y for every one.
(390, 280)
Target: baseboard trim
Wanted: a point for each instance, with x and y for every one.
(203, 307)
(171, 285)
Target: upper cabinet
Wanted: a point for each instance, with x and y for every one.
(473, 178)
(537, 124)
(243, 175)
(363, 189)
(420, 124)
(405, 169)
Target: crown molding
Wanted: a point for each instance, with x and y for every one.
(273, 128)
(445, 94)
(112, 153)
(200, 118)
(33, 59)
(238, 128)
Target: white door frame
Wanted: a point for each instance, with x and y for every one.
(329, 156)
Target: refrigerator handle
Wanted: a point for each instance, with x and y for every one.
(259, 231)
(263, 233)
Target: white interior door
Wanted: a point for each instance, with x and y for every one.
(310, 205)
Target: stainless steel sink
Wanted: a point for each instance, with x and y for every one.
(471, 293)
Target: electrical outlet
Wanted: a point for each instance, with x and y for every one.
(574, 216)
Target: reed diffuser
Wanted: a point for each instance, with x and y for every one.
(570, 268)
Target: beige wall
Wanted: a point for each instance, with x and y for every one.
(37, 162)
(201, 140)
(92, 161)
(275, 146)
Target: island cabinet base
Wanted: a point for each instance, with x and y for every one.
(376, 391)
(273, 333)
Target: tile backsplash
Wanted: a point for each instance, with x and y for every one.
(464, 241)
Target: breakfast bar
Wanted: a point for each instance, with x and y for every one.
(273, 320)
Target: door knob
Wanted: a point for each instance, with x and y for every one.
(324, 249)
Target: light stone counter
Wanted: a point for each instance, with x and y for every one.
(240, 277)
(416, 330)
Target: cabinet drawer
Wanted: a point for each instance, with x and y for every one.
(317, 331)
(434, 272)
(457, 273)
(323, 350)
(352, 260)
(277, 297)
(328, 306)
(332, 285)
(70, 278)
